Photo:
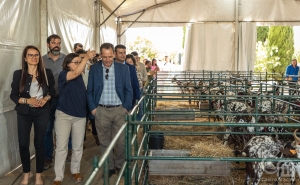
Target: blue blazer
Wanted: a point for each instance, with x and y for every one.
(134, 83)
(122, 82)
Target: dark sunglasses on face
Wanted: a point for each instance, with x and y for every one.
(106, 76)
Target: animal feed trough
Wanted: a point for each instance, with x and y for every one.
(186, 167)
(168, 115)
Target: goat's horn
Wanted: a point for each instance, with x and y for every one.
(297, 139)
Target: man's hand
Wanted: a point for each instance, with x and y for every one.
(94, 112)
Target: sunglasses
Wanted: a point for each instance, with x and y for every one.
(106, 76)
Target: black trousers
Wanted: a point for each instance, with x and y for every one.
(94, 131)
(39, 118)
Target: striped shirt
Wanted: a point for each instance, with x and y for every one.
(109, 94)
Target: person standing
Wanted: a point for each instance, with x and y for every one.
(32, 89)
(77, 46)
(166, 65)
(154, 66)
(109, 96)
(53, 60)
(70, 115)
(150, 73)
(291, 73)
(131, 61)
(120, 53)
(144, 77)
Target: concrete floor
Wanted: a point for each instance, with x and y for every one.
(91, 150)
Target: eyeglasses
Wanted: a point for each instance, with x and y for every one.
(106, 76)
(76, 63)
(33, 55)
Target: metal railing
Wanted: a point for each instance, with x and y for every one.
(135, 167)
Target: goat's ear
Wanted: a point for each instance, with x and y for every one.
(288, 153)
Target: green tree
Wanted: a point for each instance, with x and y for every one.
(144, 47)
(264, 59)
(281, 39)
(262, 33)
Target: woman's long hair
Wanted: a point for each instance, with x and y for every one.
(134, 61)
(40, 69)
(153, 61)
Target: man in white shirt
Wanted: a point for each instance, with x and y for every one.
(166, 65)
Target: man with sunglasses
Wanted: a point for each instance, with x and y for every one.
(109, 96)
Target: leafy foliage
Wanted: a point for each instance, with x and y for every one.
(275, 54)
(144, 47)
(262, 33)
(281, 37)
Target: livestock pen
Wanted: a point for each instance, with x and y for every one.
(265, 107)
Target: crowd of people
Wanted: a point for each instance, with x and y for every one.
(62, 93)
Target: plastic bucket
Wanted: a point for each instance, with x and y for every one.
(156, 141)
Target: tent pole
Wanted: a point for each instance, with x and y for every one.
(151, 7)
(131, 23)
(97, 28)
(112, 13)
(118, 30)
(44, 26)
(236, 40)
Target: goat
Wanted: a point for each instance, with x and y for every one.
(269, 147)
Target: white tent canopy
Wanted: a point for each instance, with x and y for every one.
(221, 32)
(221, 35)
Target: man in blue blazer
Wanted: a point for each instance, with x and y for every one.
(109, 96)
(120, 53)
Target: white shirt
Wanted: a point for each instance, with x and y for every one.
(35, 91)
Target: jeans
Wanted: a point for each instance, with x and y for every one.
(39, 117)
(141, 111)
(49, 132)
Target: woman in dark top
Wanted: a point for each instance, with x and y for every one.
(32, 88)
(70, 115)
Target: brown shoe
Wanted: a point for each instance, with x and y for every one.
(56, 183)
(77, 177)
